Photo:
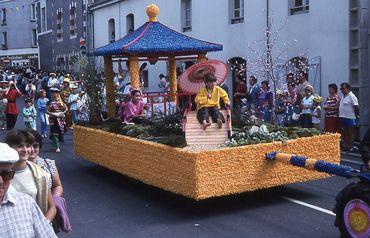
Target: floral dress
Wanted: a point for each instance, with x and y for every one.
(57, 124)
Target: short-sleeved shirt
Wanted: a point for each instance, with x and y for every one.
(346, 105)
(21, 217)
(74, 105)
(12, 96)
(49, 167)
(307, 102)
(23, 182)
(41, 104)
(332, 101)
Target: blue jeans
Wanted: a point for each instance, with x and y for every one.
(43, 122)
(74, 116)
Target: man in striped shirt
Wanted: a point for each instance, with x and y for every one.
(19, 214)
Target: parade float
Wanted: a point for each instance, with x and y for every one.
(201, 173)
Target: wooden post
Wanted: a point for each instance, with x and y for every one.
(109, 86)
(173, 78)
(134, 72)
(202, 57)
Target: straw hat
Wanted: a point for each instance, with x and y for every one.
(309, 87)
(73, 86)
(56, 90)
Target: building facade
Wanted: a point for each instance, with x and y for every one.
(62, 26)
(18, 31)
(321, 35)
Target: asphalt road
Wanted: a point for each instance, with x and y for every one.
(102, 203)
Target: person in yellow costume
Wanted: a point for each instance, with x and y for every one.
(208, 102)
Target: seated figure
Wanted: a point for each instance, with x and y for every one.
(134, 109)
(208, 102)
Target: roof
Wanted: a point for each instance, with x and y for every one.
(155, 39)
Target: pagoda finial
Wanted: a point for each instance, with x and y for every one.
(152, 11)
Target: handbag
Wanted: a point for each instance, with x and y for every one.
(61, 220)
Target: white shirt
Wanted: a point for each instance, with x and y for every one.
(307, 102)
(21, 217)
(73, 100)
(23, 182)
(315, 119)
(346, 105)
(52, 82)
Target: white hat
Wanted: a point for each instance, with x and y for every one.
(8, 154)
(73, 86)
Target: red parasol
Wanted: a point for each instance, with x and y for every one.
(192, 79)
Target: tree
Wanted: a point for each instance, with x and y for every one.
(91, 76)
(270, 56)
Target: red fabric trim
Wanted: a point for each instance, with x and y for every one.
(137, 38)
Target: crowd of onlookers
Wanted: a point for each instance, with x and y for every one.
(31, 191)
(299, 105)
(57, 100)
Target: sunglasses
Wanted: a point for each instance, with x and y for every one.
(7, 175)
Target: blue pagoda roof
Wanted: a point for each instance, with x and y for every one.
(156, 39)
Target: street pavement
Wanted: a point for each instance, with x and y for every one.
(102, 203)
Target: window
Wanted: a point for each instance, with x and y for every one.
(186, 15)
(299, 6)
(33, 12)
(3, 16)
(72, 20)
(130, 23)
(34, 37)
(111, 31)
(43, 19)
(145, 78)
(60, 24)
(236, 11)
(4, 42)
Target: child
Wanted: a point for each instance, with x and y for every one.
(41, 108)
(208, 102)
(316, 114)
(29, 114)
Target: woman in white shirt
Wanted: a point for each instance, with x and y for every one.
(307, 108)
(30, 178)
(73, 104)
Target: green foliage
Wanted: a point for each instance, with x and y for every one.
(243, 136)
(90, 75)
(137, 130)
(164, 129)
(162, 124)
(171, 140)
